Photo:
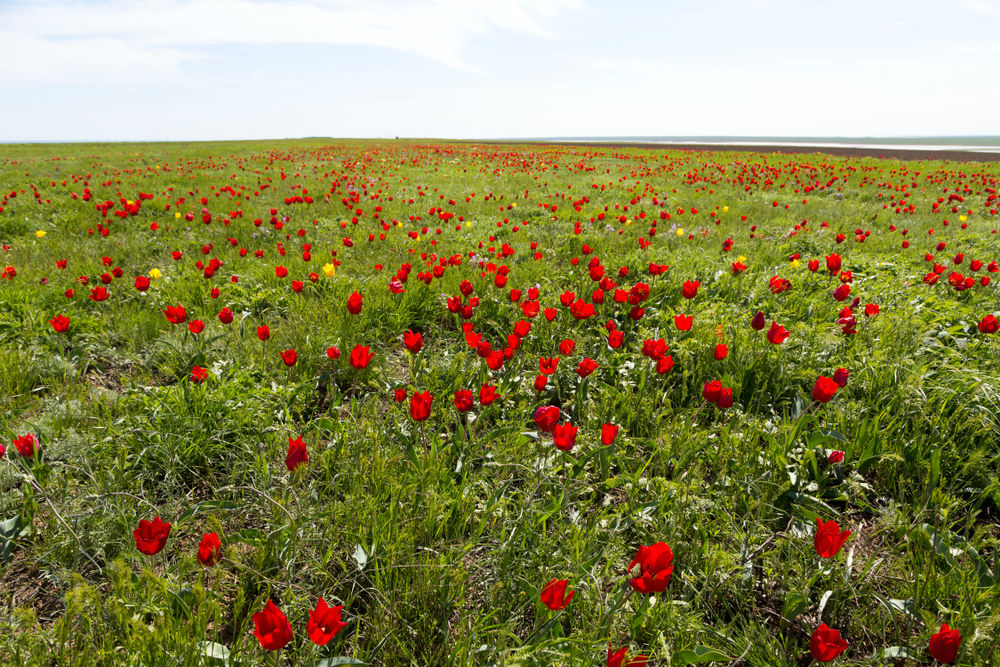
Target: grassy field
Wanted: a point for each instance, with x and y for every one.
(437, 518)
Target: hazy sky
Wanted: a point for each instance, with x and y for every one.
(219, 69)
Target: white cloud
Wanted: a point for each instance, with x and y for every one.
(120, 40)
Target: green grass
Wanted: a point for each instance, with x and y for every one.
(438, 536)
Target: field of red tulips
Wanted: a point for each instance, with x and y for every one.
(388, 403)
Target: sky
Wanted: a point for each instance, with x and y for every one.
(131, 70)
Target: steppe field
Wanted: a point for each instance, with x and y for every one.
(324, 402)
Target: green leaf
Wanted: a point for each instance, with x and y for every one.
(896, 652)
(213, 651)
(697, 656)
(205, 506)
(360, 557)
(339, 660)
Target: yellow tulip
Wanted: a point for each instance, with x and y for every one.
(40, 234)
(155, 274)
(741, 259)
(680, 233)
(795, 263)
(329, 270)
(468, 225)
(963, 218)
(725, 209)
(177, 215)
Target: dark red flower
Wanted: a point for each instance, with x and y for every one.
(554, 594)
(777, 334)
(488, 394)
(324, 623)
(175, 314)
(297, 454)
(586, 367)
(759, 321)
(836, 456)
(100, 293)
(826, 643)
(399, 395)
(690, 289)
(290, 357)
(263, 332)
(546, 418)
(608, 433)
(413, 342)
(151, 536)
(712, 391)
(617, 658)
(829, 538)
(210, 549)
(420, 405)
(463, 400)
(196, 326)
(657, 564)
(824, 389)
(226, 316)
(26, 445)
(271, 628)
(721, 350)
(944, 644)
(360, 357)
(989, 325)
(840, 376)
(354, 303)
(564, 436)
(141, 283)
(59, 323)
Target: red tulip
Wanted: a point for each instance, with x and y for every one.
(777, 334)
(826, 643)
(463, 400)
(151, 536)
(26, 445)
(354, 303)
(836, 456)
(60, 323)
(664, 364)
(175, 314)
(333, 353)
(683, 321)
(872, 309)
(829, 538)
(840, 376)
(488, 394)
(290, 357)
(690, 289)
(657, 564)
(567, 346)
(944, 644)
(546, 418)
(420, 405)
(324, 623)
(198, 375)
(554, 594)
(617, 658)
(100, 294)
(297, 454)
(226, 316)
(721, 351)
(609, 432)
(263, 332)
(758, 321)
(712, 391)
(586, 367)
(833, 264)
(989, 325)
(824, 389)
(271, 628)
(615, 339)
(413, 342)
(564, 436)
(360, 357)
(141, 283)
(209, 550)
(547, 366)
(196, 326)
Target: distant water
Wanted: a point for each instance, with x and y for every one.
(985, 144)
